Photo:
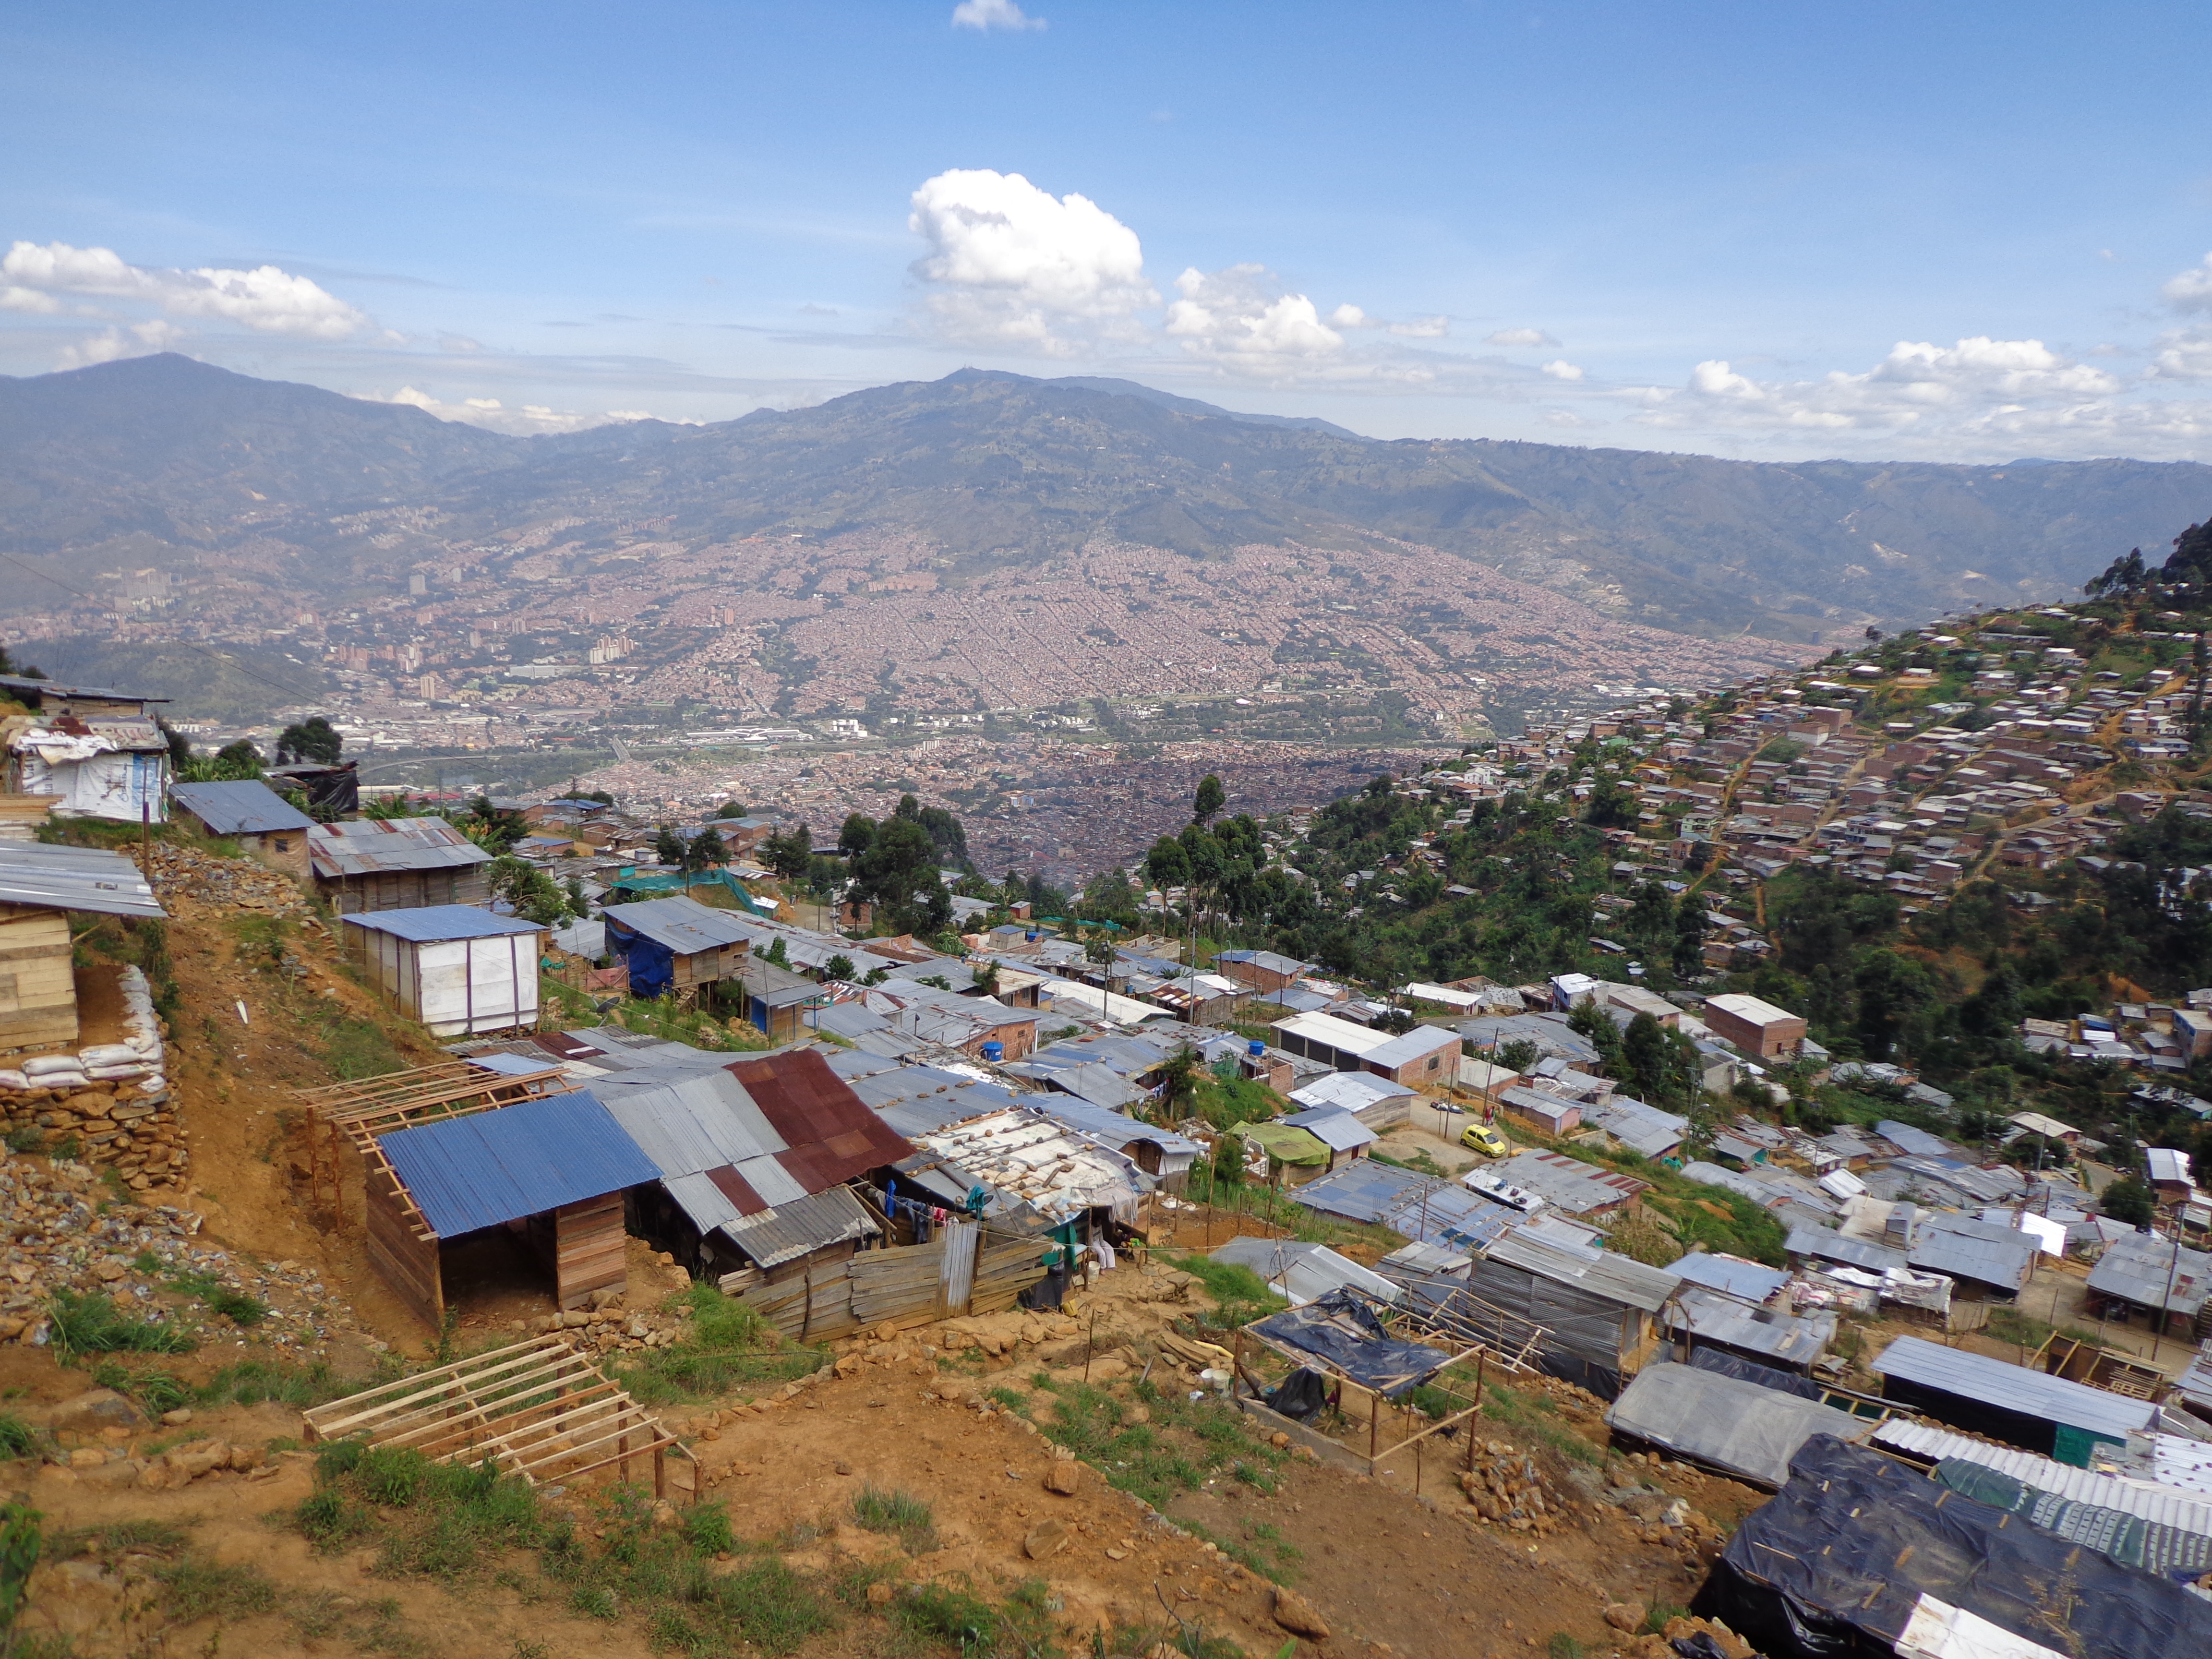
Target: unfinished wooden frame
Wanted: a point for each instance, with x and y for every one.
(539, 1409)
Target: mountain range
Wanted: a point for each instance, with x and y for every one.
(179, 457)
(197, 498)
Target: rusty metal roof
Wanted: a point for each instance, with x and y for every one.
(376, 846)
(831, 1133)
(813, 1223)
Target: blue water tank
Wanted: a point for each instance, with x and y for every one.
(1256, 1047)
(994, 1052)
(1032, 936)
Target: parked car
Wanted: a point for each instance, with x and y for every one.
(1484, 1138)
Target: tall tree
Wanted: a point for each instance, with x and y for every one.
(1209, 800)
(311, 739)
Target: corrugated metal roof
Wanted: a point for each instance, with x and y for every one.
(1835, 1246)
(1303, 1272)
(1731, 1275)
(1967, 1249)
(801, 1226)
(1333, 1127)
(1108, 1128)
(2012, 1388)
(1022, 1155)
(1600, 1273)
(2166, 1506)
(537, 1155)
(49, 688)
(1907, 1139)
(700, 1199)
(435, 924)
(2148, 1270)
(1723, 1421)
(691, 1123)
(375, 847)
(1354, 1091)
(74, 879)
(684, 925)
(1568, 1184)
(1791, 1339)
(244, 808)
(829, 1133)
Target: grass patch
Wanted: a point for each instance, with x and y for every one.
(355, 1048)
(728, 1346)
(196, 1588)
(1531, 1414)
(157, 1391)
(884, 1510)
(1017, 1628)
(18, 1437)
(1185, 1443)
(91, 1323)
(1241, 1295)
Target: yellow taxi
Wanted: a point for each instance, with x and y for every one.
(1484, 1138)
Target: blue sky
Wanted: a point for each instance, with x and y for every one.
(1970, 231)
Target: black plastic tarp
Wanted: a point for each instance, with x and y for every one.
(1343, 1332)
(1835, 1566)
(1722, 1363)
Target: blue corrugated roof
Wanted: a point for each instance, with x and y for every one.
(477, 1171)
(434, 924)
(243, 807)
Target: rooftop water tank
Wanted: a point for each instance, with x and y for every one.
(1256, 1047)
(994, 1052)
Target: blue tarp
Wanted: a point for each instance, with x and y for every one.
(537, 1155)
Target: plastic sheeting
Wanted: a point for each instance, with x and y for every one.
(1724, 1422)
(1844, 1560)
(1343, 1332)
(1722, 1363)
(2128, 1539)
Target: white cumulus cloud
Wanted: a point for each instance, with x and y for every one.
(1424, 328)
(1559, 369)
(1519, 336)
(1917, 385)
(266, 298)
(530, 420)
(1243, 320)
(2191, 291)
(981, 15)
(1010, 265)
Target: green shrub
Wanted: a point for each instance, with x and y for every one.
(18, 1437)
(91, 1323)
(900, 1512)
(706, 1528)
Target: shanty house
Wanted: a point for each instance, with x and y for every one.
(2141, 1274)
(755, 1157)
(542, 1180)
(1294, 1155)
(678, 947)
(1376, 1102)
(396, 864)
(269, 828)
(1602, 1310)
(40, 885)
(1344, 1135)
(1539, 1110)
(1568, 1185)
(2062, 1419)
(458, 969)
(1160, 1153)
(100, 753)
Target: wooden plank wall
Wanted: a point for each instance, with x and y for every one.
(409, 1264)
(38, 992)
(588, 1249)
(901, 1286)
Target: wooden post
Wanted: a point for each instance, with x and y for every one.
(1480, 1354)
(1090, 1345)
(1470, 1422)
(660, 1472)
(624, 1446)
(1374, 1419)
(1418, 1444)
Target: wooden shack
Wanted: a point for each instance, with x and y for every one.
(541, 1181)
(267, 827)
(1601, 1311)
(678, 947)
(40, 885)
(396, 864)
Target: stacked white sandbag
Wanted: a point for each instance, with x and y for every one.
(55, 1071)
(141, 1031)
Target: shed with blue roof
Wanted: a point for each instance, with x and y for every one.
(460, 970)
(539, 1185)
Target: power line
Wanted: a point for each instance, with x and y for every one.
(213, 656)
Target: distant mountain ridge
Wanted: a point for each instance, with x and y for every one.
(169, 459)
